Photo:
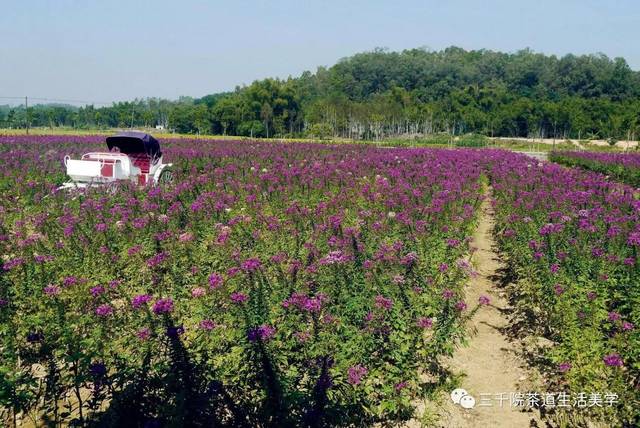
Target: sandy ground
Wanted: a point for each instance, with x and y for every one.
(489, 362)
(578, 143)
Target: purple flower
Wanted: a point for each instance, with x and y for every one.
(484, 300)
(409, 259)
(614, 316)
(627, 326)
(157, 259)
(134, 250)
(443, 267)
(104, 310)
(13, 263)
(613, 360)
(141, 299)
(163, 306)
(51, 290)
(447, 294)
(400, 385)
(238, 297)
(207, 325)
(42, 259)
(215, 280)
(304, 302)
(263, 332)
(101, 227)
(424, 322)
(356, 373)
(251, 265)
(69, 281)
(461, 306)
(634, 239)
(96, 291)
(383, 302)
(558, 289)
(334, 257)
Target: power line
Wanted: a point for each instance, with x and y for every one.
(57, 100)
(71, 101)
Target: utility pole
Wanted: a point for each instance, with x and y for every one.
(26, 114)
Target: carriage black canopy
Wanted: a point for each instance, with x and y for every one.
(135, 142)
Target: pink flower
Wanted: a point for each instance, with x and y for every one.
(383, 302)
(207, 325)
(564, 367)
(185, 237)
(143, 333)
(198, 292)
(302, 336)
(424, 322)
(400, 386)
(484, 300)
(398, 279)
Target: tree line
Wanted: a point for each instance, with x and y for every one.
(378, 94)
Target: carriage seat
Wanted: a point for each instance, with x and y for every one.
(141, 160)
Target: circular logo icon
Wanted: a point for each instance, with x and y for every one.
(467, 402)
(457, 394)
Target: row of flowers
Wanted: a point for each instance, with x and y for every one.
(572, 239)
(623, 167)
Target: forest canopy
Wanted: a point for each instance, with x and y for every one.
(381, 94)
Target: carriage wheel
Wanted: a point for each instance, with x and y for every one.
(166, 177)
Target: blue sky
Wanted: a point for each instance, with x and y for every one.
(117, 50)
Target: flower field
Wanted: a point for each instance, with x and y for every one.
(298, 284)
(271, 285)
(624, 167)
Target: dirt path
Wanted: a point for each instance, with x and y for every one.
(489, 363)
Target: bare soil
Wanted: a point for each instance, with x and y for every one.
(489, 363)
